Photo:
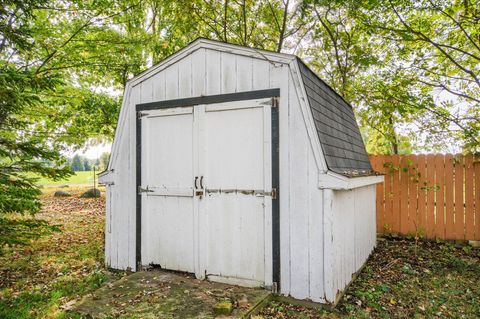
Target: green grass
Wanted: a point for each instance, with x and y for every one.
(44, 279)
(79, 178)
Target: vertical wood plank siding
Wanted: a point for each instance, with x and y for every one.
(431, 196)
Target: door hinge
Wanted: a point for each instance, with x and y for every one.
(275, 101)
(274, 193)
(141, 114)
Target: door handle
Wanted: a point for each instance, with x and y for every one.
(196, 178)
(201, 182)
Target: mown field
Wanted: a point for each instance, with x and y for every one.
(79, 178)
(401, 280)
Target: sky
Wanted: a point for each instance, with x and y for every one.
(91, 152)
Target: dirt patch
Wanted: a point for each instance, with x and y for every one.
(161, 294)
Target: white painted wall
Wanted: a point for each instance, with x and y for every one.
(325, 235)
(353, 233)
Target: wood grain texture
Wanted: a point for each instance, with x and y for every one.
(459, 198)
(443, 195)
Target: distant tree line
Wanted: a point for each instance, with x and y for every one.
(80, 163)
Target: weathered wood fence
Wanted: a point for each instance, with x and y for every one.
(432, 196)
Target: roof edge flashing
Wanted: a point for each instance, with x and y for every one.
(332, 180)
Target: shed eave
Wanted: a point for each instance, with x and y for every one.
(332, 180)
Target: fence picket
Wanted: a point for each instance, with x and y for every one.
(436, 196)
(430, 190)
(449, 190)
(476, 168)
(469, 198)
(388, 225)
(459, 205)
(395, 176)
(404, 170)
(440, 196)
(421, 224)
(412, 192)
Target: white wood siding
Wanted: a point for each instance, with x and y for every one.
(354, 235)
(302, 213)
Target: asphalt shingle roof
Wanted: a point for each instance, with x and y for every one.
(336, 126)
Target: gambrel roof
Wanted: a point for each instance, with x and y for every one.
(336, 126)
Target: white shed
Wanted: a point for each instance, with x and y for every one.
(241, 166)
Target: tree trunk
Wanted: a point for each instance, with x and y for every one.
(394, 140)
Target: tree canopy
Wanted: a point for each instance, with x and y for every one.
(409, 68)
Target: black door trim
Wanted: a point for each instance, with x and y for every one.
(275, 201)
(211, 99)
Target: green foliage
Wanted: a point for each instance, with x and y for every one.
(407, 67)
(433, 45)
(22, 148)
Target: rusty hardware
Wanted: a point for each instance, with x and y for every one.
(275, 101)
(274, 193)
(254, 192)
(141, 114)
(199, 193)
(144, 190)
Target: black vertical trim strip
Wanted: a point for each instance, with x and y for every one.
(138, 219)
(276, 200)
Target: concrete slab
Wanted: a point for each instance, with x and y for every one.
(162, 294)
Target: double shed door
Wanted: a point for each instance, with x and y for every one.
(207, 196)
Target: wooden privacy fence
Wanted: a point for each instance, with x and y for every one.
(432, 196)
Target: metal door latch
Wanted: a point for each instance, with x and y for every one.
(199, 191)
(274, 193)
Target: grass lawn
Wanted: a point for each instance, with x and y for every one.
(79, 178)
(46, 279)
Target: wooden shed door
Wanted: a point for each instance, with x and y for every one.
(207, 197)
(168, 202)
(235, 214)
